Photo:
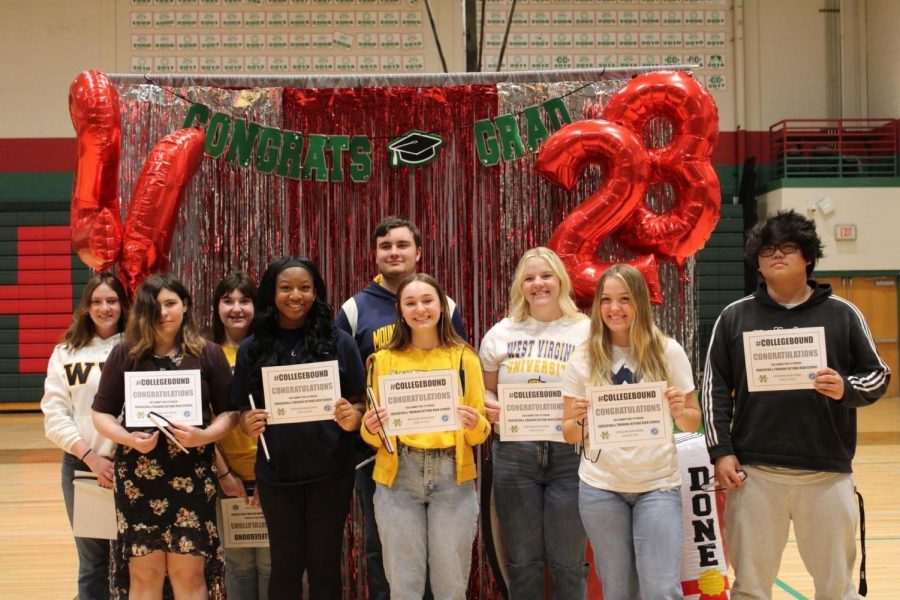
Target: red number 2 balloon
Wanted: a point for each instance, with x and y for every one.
(618, 206)
(626, 168)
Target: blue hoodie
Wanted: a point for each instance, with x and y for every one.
(369, 317)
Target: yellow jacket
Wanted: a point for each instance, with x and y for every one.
(389, 362)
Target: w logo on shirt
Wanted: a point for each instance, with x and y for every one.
(78, 373)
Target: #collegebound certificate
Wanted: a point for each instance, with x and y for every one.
(175, 395)
(420, 402)
(636, 414)
(301, 393)
(530, 413)
(784, 359)
(244, 525)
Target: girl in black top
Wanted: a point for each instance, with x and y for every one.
(165, 498)
(305, 488)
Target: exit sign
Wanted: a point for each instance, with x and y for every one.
(845, 232)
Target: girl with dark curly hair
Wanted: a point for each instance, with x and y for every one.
(306, 485)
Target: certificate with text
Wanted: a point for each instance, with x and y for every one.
(630, 415)
(301, 393)
(174, 395)
(784, 359)
(420, 402)
(244, 525)
(530, 412)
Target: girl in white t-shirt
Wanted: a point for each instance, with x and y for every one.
(536, 482)
(629, 498)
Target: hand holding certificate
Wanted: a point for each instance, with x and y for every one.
(161, 422)
(629, 415)
(784, 359)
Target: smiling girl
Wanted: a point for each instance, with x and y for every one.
(426, 504)
(73, 375)
(246, 569)
(536, 482)
(306, 487)
(630, 498)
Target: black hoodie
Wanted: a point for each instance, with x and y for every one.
(798, 429)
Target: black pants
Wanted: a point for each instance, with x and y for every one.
(306, 533)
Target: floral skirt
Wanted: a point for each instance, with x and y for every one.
(166, 501)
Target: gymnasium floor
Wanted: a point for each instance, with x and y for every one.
(37, 555)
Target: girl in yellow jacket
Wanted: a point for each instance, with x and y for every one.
(426, 505)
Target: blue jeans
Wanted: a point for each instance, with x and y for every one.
(93, 554)
(375, 577)
(637, 541)
(536, 496)
(425, 518)
(247, 570)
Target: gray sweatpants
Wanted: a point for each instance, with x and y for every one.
(825, 516)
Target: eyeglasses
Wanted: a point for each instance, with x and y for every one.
(713, 485)
(785, 248)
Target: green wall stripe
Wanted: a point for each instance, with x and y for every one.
(35, 187)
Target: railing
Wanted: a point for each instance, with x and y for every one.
(834, 148)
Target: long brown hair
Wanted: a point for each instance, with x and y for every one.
(447, 335)
(647, 343)
(82, 331)
(143, 323)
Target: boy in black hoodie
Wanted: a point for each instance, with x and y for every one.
(786, 455)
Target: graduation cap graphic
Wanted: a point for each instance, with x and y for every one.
(414, 148)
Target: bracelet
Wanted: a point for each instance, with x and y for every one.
(228, 472)
(83, 456)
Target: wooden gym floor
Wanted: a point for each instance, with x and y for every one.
(37, 554)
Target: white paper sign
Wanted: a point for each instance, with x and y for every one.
(94, 514)
(174, 395)
(301, 393)
(784, 359)
(420, 402)
(243, 525)
(630, 415)
(530, 412)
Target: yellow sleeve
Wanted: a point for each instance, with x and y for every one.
(474, 397)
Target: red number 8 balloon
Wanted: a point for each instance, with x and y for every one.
(683, 162)
(618, 206)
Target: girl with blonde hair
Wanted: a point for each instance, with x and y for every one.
(536, 482)
(630, 498)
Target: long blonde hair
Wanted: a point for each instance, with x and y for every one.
(647, 344)
(518, 306)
